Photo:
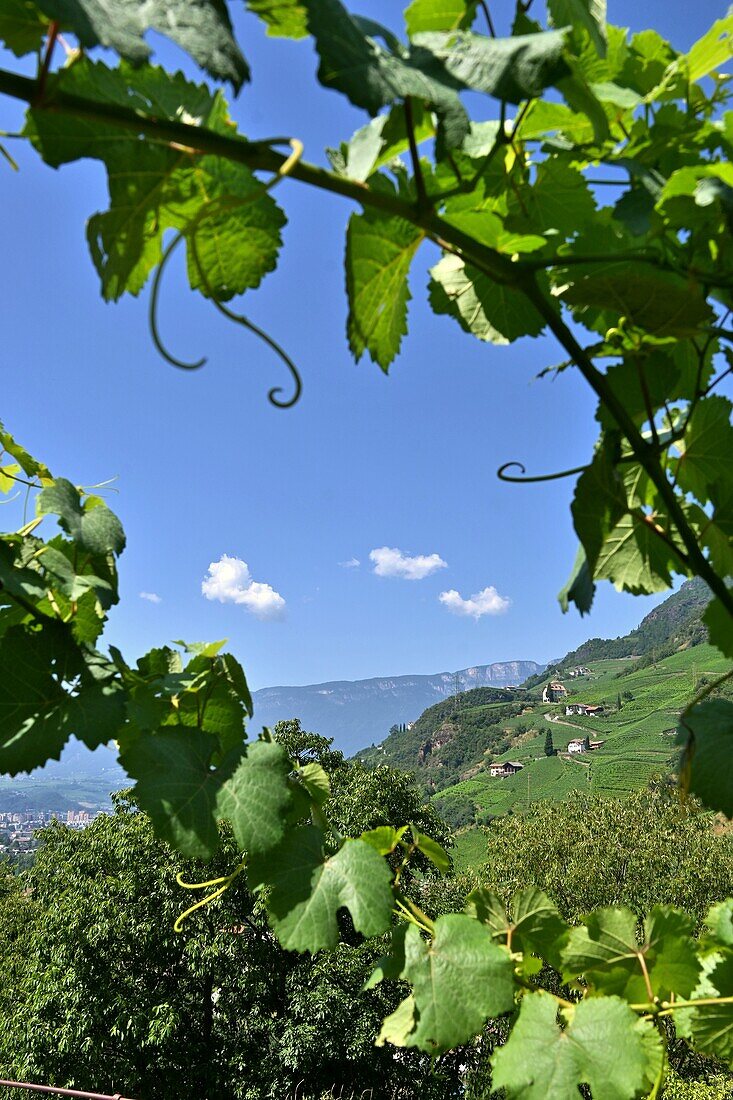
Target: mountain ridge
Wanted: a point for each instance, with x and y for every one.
(359, 712)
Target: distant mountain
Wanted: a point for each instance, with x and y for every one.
(360, 712)
(674, 624)
(79, 780)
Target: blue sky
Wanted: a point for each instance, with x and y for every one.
(206, 467)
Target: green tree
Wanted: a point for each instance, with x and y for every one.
(600, 852)
(549, 747)
(97, 990)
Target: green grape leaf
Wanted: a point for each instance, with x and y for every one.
(659, 302)
(439, 15)
(232, 226)
(308, 889)
(379, 251)
(38, 713)
(635, 558)
(232, 251)
(604, 1045)
(542, 118)
(316, 782)
(96, 714)
(634, 210)
(671, 952)
(391, 965)
(385, 838)
(398, 1025)
(719, 921)
(537, 926)
(373, 76)
(257, 797)
(511, 69)
(377, 143)
(22, 26)
(15, 578)
(237, 681)
(484, 905)
(284, 18)
(588, 14)
(710, 1026)
(714, 49)
(488, 228)
(92, 524)
(459, 979)
(712, 536)
(579, 588)
(200, 27)
(606, 952)
(706, 730)
(559, 201)
(706, 447)
(599, 503)
(534, 925)
(432, 851)
(176, 787)
(491, 311)
(606, 941)
(74, 576)
(720, 626)
(639, 379)
(582, 100)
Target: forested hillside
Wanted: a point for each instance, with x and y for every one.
(675, 623)
(449, 736)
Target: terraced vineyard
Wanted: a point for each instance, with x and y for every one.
(638, 739)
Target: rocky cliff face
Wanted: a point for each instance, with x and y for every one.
(360, 712)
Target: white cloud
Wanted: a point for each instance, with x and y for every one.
(230, 581)
(391, 562)
(352, 563)
(486, 602)
(151, 597)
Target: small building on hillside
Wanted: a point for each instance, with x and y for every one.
(581, 670)
(554, 692)
(584, 708)
(503, 768)
(581, 744)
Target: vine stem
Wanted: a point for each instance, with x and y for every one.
(422, 196)
(259, 155)
(53, 31)
(644, 453)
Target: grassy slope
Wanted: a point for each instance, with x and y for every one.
(639, 739)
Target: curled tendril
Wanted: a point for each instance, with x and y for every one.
(222, 885)
(503, 476)
(240, 319)
(153, 315)
(190, 235)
